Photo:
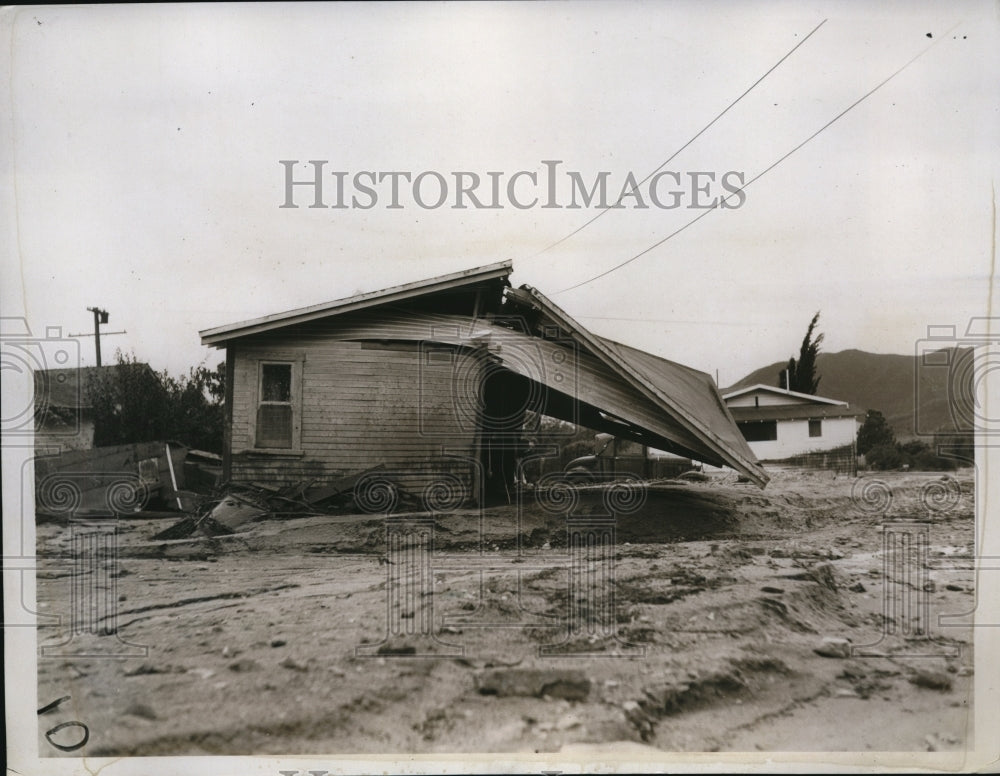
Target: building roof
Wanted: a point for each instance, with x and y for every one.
(794, 412)
(686, 395)
(731, 394)
(219, 335)
(68, 387)
(612, 387)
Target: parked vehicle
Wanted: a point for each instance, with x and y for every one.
(614, 457)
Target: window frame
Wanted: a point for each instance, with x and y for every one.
(759, 425)
(257, 363)
(819, 428)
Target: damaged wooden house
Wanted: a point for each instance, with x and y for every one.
(434, 380)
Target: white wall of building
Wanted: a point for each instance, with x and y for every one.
(793, 438)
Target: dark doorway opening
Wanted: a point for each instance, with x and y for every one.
(506, 396)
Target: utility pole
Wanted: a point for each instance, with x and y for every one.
(100, 316)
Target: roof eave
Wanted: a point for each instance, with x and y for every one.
(219, 335)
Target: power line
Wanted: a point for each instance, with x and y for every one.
(741, 324)
(689, 142)
(761, 174)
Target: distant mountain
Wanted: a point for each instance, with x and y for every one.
(939, 385)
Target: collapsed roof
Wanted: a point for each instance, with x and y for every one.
(574, 374)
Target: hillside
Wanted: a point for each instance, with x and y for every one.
(890, 383)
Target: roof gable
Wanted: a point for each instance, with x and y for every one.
(801, 397)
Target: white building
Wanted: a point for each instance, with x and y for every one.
(779, 424)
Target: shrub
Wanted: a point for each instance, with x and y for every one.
(874, 432)
(884, 457)
(914, 455)
(132, 403)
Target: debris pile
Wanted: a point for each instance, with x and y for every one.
(235, 504)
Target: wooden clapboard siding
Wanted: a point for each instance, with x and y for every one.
(385, 324)
(480, 288)
(558, 364)
(362, 404)
(561, 365)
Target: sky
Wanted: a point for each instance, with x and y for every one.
(142, 147)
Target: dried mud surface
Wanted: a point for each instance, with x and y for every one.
(277, 640)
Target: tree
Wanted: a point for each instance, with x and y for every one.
(801, 375)
(874, 432)
(132, 403)
(195, 407)
(128, 401)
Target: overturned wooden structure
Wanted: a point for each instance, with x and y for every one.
(434, 379)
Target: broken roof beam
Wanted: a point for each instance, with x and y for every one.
(731, 448)
(575, 379)
(573, 410)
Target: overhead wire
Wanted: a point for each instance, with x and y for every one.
(719, 202)
(674, 155)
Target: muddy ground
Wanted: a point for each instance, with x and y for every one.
(701, 629)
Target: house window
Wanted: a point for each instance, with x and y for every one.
(275, 412)
(759, 431)
(815, 428)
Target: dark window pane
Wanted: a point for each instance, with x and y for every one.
(628, 447)
(815, 428)
(763, 431)
(274, 425)
(276, 382)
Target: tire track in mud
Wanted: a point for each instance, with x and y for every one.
(362, 714)
(723, 661)
(734, 678)
(216, 597)
(227, 596)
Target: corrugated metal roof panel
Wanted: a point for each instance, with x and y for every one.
(694, 402)
(693, 390)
